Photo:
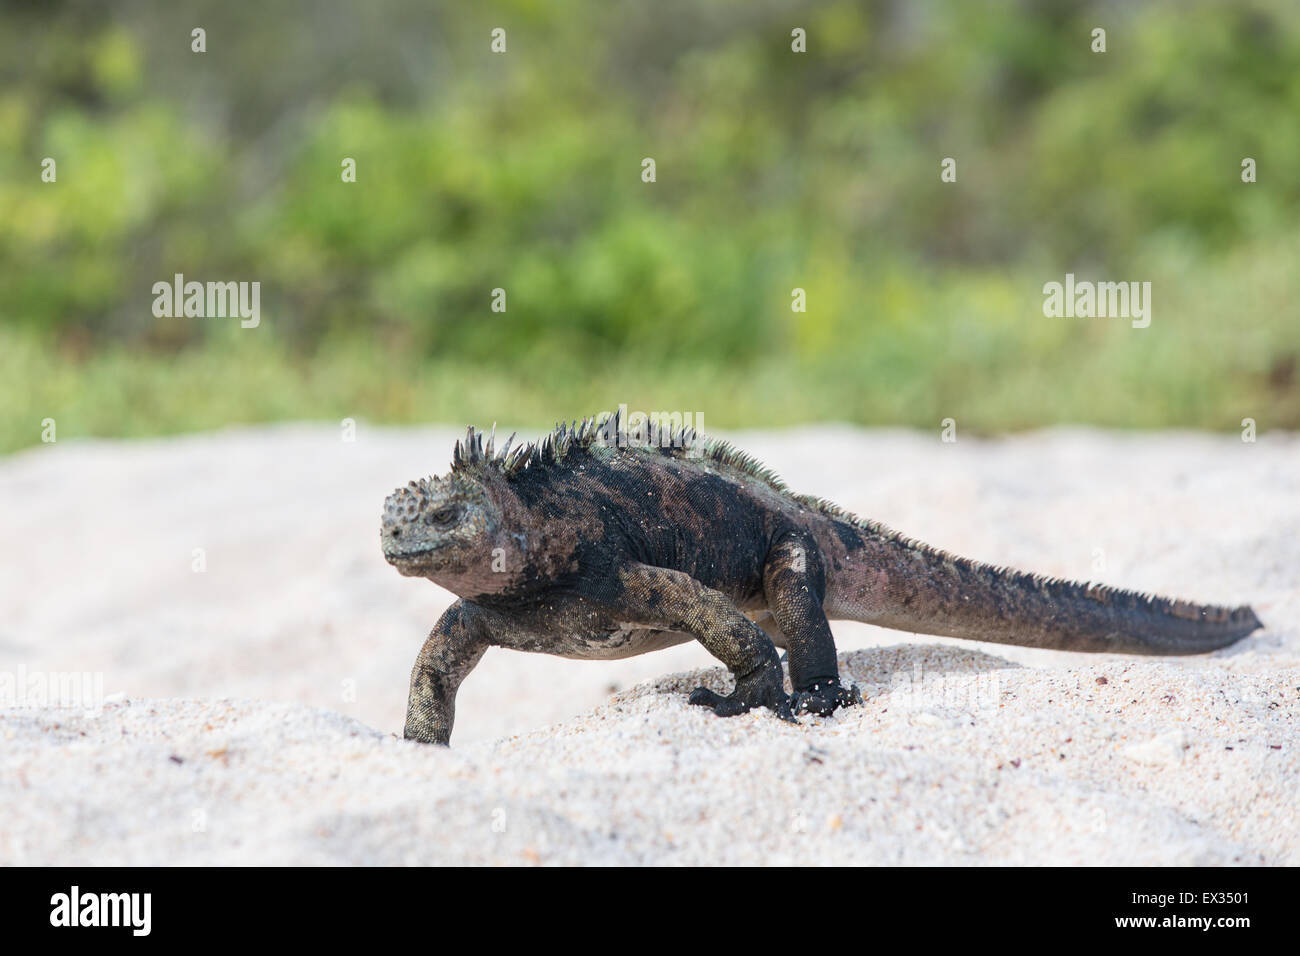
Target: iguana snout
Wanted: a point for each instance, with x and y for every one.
(434, 526)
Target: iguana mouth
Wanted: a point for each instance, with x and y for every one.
(397, 557)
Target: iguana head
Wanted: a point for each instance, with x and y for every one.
(443, 529)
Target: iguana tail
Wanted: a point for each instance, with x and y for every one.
(894, 582)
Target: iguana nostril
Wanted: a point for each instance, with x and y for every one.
(395, 531)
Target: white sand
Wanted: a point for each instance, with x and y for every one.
(239, 726)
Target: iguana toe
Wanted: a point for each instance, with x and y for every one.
(762, 687)
(824, 698)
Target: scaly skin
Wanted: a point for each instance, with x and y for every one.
(589, 544)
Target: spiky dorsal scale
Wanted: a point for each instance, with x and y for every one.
(472, 456)
(674, 442)
(471, 459)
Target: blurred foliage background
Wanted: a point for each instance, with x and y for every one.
(775, 170)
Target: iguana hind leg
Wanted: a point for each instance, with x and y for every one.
(794, 583)
(676, 601)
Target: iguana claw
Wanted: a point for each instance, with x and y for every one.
(824, 698)
(761, 687)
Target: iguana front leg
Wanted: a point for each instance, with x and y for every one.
(454, 646)
(668, 599)
(794, 583)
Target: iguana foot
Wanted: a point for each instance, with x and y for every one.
(761, 687)
(824, 698)
(426, 733)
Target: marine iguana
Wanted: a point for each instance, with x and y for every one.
(588, 544)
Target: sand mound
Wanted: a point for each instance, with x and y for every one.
(978, 762)
(962, 753)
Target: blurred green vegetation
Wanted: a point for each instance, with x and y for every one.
(522, 171)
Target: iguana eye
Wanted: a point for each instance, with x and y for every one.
(443, 516)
